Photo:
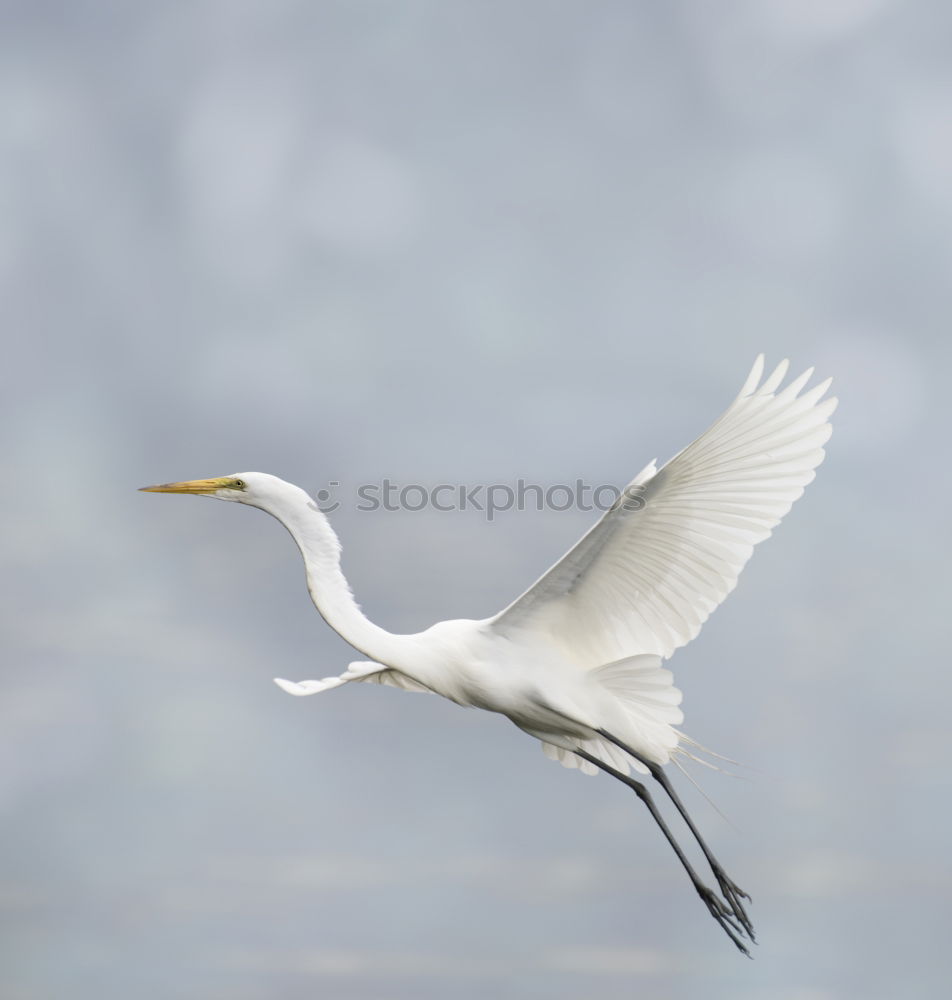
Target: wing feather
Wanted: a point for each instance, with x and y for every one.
(645, 578)
(364, 670)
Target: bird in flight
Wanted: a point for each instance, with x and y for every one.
(576, 661)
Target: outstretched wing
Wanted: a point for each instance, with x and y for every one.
(648, 574)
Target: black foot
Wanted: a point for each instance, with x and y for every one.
(734, 894)
(733, 928)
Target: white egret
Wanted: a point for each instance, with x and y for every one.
(576, 660)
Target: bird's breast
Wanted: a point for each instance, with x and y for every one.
(475, 667)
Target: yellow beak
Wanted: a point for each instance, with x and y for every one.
(199, 487)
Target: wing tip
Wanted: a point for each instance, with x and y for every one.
(753, 377)
(292, 687)
(753, 386)
(773, 380)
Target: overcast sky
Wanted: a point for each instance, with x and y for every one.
(465, 243)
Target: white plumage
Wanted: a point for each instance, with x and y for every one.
(577, 659)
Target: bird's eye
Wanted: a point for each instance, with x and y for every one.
(239, 484)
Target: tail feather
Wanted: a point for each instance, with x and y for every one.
(646, 693)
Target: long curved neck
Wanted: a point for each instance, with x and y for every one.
(326, 583)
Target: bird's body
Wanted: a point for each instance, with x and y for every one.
(576, 661)
(529, 682)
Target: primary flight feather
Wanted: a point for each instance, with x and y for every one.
(576, 661)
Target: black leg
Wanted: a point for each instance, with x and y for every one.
(731, 892)
(711, 900)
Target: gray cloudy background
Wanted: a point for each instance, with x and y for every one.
(460, 242)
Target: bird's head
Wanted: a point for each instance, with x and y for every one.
(257, 489)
